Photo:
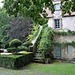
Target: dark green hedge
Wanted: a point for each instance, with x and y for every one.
(27, 44)
(22, 48)
(15, 61)
(12, 49)
(15, 43)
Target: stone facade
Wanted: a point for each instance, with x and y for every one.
(61, 39)
(64, 49)
(66, 23)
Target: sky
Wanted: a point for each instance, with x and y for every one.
(1, 4)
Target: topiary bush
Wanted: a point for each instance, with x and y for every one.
(12, 49)
(22, 48)
(15, 43)
(27, 44)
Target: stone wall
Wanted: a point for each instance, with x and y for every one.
(65, 54)
(66, 23)
(64, 49)
(61, 39)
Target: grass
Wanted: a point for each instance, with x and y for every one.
(42, 69)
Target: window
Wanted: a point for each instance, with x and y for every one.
(57, 24)
(70, 49)
(57, 6)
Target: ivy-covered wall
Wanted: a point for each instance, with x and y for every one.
(64, 52)
(65, 39)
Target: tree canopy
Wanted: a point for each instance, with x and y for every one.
(29, 8)
(68, 6)
(33, 8)
(4, 25)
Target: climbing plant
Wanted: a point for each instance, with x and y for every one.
(46, 43)
(69, 32)
(66, 43)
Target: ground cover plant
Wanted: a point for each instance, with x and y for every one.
(42, 69)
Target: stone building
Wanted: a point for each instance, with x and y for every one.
(61, 23)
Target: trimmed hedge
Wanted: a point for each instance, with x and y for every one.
(22, 48)
(27, 44)
(15, 61)
(12, 49)
(19, 48)
(15, 43)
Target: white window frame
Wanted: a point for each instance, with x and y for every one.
(57, 23)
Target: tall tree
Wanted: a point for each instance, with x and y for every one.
(4, 25)
(29, 8)
(33, 8)
(20, 28)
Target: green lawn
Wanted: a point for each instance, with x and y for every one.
(42, 69)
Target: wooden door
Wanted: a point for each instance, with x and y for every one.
(58, 52)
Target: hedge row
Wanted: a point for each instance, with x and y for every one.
(15, 61)
(14, 49)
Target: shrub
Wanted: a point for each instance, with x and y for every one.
(15, 43)
(22, 48)
(12, 49)
(7, 45)
(0, 44)
(46, 43)
(15, 61)
(27, 44)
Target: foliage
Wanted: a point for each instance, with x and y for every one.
(29, 8)
(7, 45)
(15, 61)
(22, 48)
(66, 43)
(33, 32)
(14, 7)
(68, 6)
(27, 44)
(12, 49)
(18, 49)
(15, 43)
(4, 25)
(36, 33)
(65, 33)
(46, 42)
(20, 28)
